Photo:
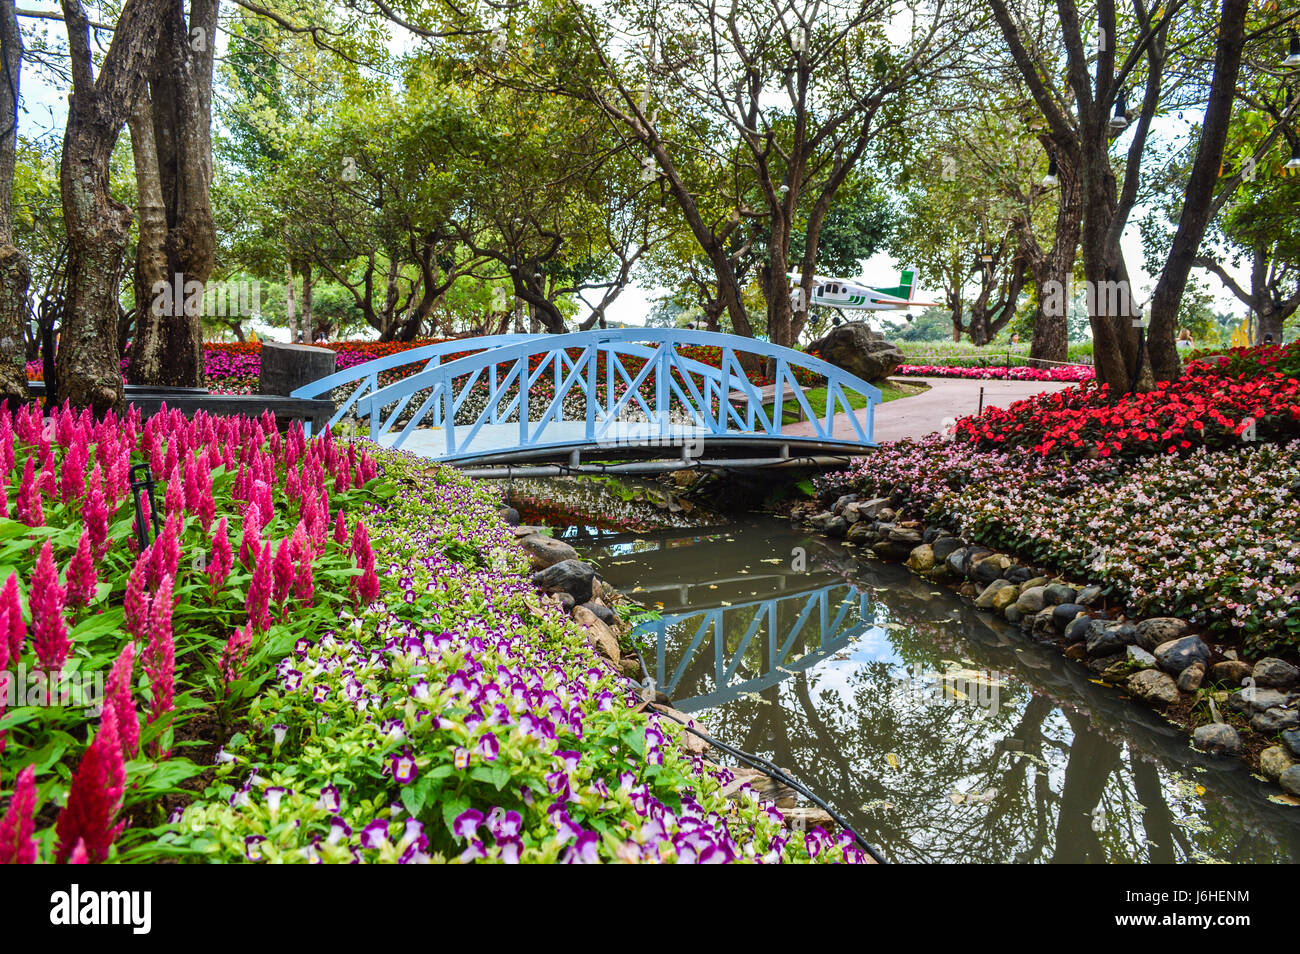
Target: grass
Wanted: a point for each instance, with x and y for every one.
(889, 391)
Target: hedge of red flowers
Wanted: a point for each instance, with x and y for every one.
(1214, 404)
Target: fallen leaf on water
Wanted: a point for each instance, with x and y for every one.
(1285, 799)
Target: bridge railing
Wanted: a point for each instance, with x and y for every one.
(366, 376)
(810, 625)
(602, 383)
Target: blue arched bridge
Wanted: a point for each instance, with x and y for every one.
(627, 400)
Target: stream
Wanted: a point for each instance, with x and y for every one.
(940, 733)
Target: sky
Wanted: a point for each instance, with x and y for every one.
(45, 110)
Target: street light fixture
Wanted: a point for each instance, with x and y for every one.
(1294, 162)
(1050, 181)
(1119, 121)
(1292, 51)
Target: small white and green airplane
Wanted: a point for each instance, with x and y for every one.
(845, 295)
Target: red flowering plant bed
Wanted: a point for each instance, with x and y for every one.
(1214, 404)
(123, 668)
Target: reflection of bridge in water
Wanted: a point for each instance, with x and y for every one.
(789, 634)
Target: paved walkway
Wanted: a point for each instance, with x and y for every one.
(947, 398)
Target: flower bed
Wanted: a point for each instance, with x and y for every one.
(170, 642)
(269, 695)
(1213, 537)
(1209, 406)
(462, 717)
(1061, 373)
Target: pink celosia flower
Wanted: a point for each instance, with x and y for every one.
(259, 591)
(303, 585)
(136, 601)
(49, 629)
(174, 493)
(79, 856)
(18, 827)
(221, 561)
(160, 654)
(94, 796)
(27, 508)
(165, 552)
(117, 695)
(82, 577)
(236, 652)
(16, 633)
(282, 571)
(251, 542)
(340, 529)
(72, 484)
(95, 515)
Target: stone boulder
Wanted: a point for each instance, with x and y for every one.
(1159, 629)
(1290, 780)
(858, 349)
(1154, 687)
(602, 612)
(1108, 637)
(598, 634)
(1177, 654)
(921, 559)
(1273, 673)
(568, 576)
(1217, 738)
(1231, 671)
(546, 551)
(1275, 760)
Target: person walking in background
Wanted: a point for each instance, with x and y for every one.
(1184, 339)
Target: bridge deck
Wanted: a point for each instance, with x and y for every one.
(641, 452)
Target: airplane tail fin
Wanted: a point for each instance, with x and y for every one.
(905, 283)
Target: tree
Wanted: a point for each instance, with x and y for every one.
(15, 275)
(1085, 111)
(171, 139)
(783, 99)
(88, 370)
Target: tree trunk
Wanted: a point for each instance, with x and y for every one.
(308, 321)
(14, 273)
(168, 346)
(1165, 301)
(88, 372)
(1051, 340)
(290, 306)
(156, 301)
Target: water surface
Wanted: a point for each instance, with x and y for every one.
(940, 733)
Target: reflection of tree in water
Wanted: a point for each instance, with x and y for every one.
(1063, 771)
(1032, 782)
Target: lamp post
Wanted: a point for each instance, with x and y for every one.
(144, 484)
